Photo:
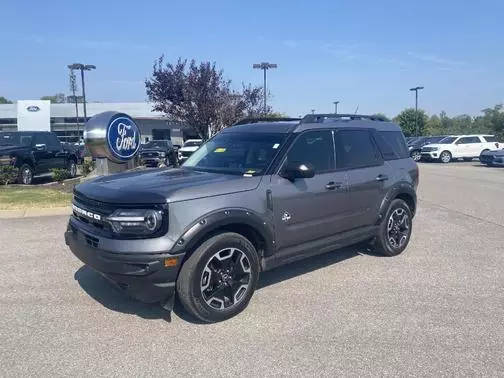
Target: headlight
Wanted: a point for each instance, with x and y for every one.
(180, 155)
(434, 148)
(136, 222)
(410, 148)
(162, 154)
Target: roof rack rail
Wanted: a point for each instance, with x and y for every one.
(319, 118)
(245, 121)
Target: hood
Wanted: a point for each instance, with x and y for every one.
(163, 185)
(153, 149)
(12, 148)
(494, 153)
(435, 145)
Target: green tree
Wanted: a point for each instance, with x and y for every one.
(407, 120)
(433, 126)
(381, 116)
(3, 100)
(58, 98)
(493, 120)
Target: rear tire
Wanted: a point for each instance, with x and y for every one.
(395, 229)
(219, 278)
(72, 168)
(482, 152)
(445, 157)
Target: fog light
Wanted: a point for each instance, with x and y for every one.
(170, 261)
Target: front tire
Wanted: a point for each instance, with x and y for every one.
(219, 278)
(416, 155)
(395, 230)
(445, 157)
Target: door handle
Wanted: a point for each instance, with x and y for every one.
(333, 185)
(381, 178)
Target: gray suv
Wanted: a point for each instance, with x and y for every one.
(252, 198)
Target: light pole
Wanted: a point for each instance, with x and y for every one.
(73, 88)
(264, 66)
(82, 68)
(313, 111)
(336, 107)
(416, 89)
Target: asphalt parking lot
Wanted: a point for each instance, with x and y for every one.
(437, 309)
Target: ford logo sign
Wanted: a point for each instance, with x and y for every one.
(123, 137)
(112, 135)
(33, 108)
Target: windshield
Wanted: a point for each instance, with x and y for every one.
(239, 153)
(447, 140)
(15, 139)
(155, 144)
(192, 144)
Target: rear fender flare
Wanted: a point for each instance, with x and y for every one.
(393, 193)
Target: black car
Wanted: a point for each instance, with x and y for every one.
(35, 153)
(158, 152)
(493, 158)
(415, 145)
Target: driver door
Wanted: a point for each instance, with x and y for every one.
(310, 208)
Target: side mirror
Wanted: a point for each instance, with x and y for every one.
(40, 147)
(296, 170)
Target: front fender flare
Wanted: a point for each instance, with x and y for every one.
(204, 225)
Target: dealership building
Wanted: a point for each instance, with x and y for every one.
(31, 115)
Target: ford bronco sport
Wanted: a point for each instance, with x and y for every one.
(252, 198)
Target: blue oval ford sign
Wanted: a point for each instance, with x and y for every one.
(33, 108)
(123, 137)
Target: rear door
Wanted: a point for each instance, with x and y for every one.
(311, 208)
(358, 155)
(58, 155)
(467, 147)
(43, 157)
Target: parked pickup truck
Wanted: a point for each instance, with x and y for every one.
(35, 153)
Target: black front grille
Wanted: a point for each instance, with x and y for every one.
(149, 154)
(186, 153)
(92, 241)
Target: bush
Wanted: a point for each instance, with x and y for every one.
(60, 174)
(8, 174)
(87, 166)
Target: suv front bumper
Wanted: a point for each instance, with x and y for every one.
(142, 276)
(432, 155)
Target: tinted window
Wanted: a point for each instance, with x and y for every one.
(447, 140)
(392, 145)
(314, 147)
(39, 138)
(355, 148)
(52, 141)
(490, 138)
(467, 140)
(192, 144)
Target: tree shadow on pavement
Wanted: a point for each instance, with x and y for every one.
(104, 292)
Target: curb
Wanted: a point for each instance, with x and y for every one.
(33, 213)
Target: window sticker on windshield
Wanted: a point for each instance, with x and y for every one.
(249, 173)
(220, 149)
(276, 145)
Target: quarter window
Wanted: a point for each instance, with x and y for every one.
(355, 148)
(392, 144)
(314, 147)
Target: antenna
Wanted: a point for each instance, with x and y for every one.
(356, 109)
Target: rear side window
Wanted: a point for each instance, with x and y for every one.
(355, 148)
(392, 145)
(489, 138)
(468, 140)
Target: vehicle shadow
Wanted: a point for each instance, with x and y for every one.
(104, 292)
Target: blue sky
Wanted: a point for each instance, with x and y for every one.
(362, 53)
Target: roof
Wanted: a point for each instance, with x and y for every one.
(299, 126)
(264, 127)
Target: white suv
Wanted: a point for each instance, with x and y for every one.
(188, 148)
(459, 146)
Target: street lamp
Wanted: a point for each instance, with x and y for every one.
(82, 68)
(264, 66)
(336, 107)
(416, 89)
(313, 111)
